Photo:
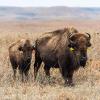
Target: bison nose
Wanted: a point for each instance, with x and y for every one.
(83, 61)
(83, 58)
(28, 58)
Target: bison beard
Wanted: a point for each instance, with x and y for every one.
(54, 50)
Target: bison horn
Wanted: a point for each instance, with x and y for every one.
(89, 36)
(72, 44)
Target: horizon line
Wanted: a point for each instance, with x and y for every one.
(50, 6)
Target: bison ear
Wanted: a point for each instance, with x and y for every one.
(20, 48)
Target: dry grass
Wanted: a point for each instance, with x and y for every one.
(87, 80)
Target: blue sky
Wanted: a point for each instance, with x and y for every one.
(36, 3)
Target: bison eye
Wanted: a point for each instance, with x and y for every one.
(20, 48)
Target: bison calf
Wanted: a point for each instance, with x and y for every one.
(20, 54)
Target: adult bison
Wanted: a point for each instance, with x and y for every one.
(20, 54)
(65, 49)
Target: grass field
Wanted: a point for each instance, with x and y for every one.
(87, 80)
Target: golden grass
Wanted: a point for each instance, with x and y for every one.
(87, 80)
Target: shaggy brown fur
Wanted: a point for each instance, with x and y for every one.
(53, 49)
(20, 54)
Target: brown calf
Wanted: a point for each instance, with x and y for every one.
(20, 54)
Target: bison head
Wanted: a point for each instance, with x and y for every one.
(27, 49)
(80, 42)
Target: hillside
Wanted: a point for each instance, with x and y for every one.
(48, 13)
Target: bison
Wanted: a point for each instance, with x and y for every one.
(20, 54)
(65, 49)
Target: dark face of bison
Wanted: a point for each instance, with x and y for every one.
(27, 49)
(80, 42)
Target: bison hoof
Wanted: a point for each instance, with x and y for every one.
(69, 84)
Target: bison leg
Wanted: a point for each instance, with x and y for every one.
(21, 71)
(14, 76)
(63, 69)
(37, 64)
(47, 70)
(22, 75)
(14, 67)
(69, 81)
(67, 76)
(26, 71)
(26, 75)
